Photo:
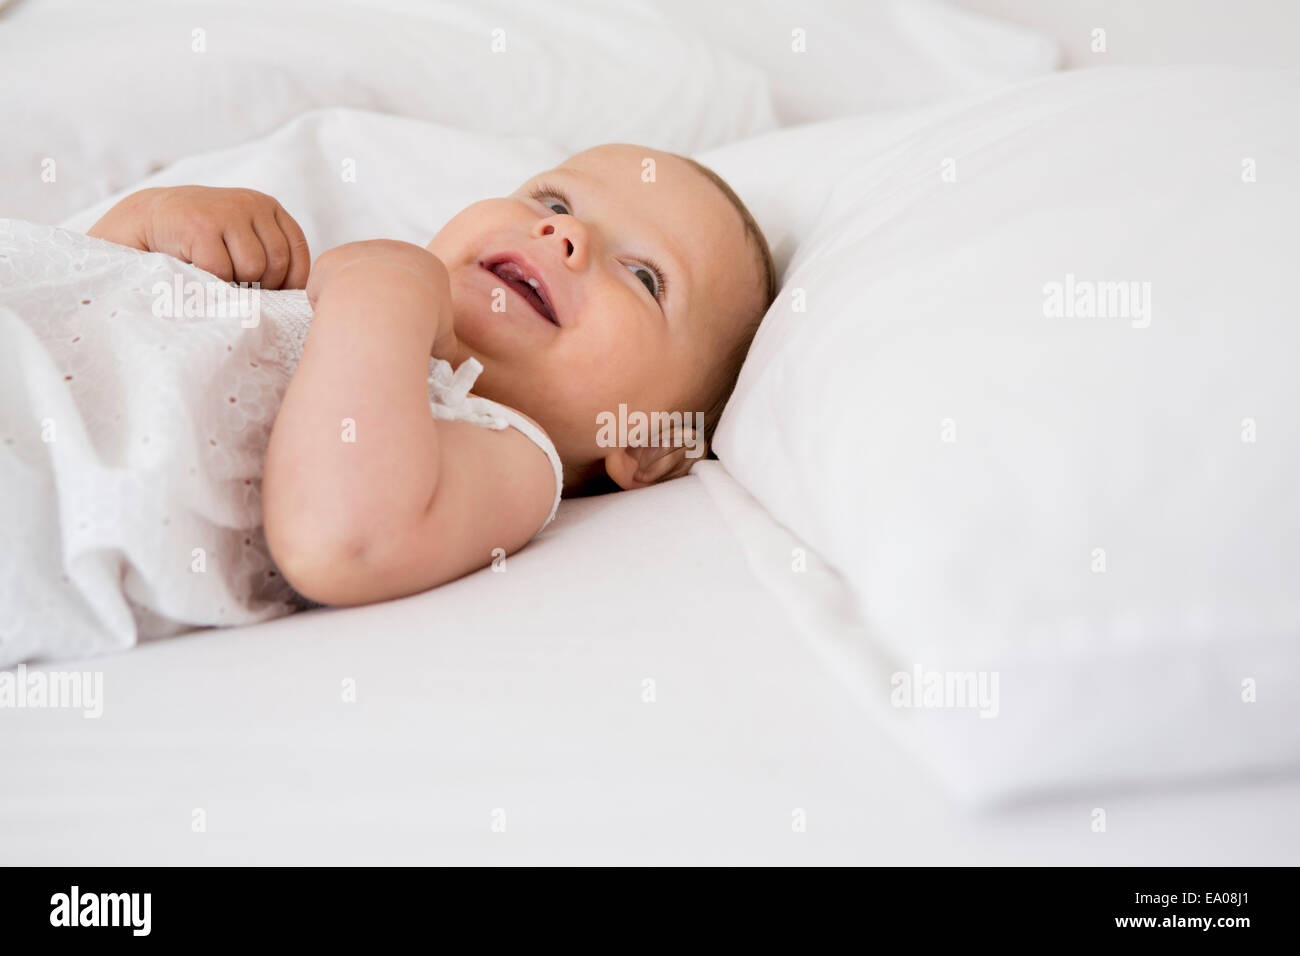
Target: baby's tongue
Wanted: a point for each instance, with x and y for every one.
(511, 271)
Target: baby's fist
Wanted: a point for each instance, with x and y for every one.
(392, 268)
(240, 235)
(385, 253)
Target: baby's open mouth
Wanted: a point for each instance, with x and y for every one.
(516, 275)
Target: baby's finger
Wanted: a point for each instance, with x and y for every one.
(276, 247)
(209, 253)
(299, 254)
(246, 252)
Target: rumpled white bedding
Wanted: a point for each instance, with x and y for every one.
(99, 95)
(157, 80)
(796, 181)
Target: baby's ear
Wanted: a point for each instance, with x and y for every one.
(640, 467)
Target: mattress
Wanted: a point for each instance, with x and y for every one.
(554, 711)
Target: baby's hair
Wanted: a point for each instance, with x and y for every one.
(728, 369)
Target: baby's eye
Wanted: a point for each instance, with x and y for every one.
(649, 277)
(553, 200)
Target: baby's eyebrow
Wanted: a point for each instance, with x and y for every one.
(565, 171)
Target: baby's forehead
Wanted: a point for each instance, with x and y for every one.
(639, 170)
(625, 156)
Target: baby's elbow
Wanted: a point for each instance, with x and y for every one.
(320, 568)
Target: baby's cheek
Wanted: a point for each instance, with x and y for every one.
(571, 400)
(464, 235)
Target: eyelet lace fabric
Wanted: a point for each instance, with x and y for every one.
(132, 445)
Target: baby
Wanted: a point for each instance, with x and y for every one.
(590, 288)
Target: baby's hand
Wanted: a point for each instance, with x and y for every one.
(384, 264)
(381, 252)
(238, 234)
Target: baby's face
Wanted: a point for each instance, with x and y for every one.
(616, 278)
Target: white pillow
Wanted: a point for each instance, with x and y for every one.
(98, 95)
(1102, 509)
(828, 58)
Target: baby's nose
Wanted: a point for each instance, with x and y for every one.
(548, 230)
(572, 235)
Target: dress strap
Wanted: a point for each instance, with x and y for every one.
(541, 440)
(450, 398)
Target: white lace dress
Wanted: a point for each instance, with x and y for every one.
(132, 444)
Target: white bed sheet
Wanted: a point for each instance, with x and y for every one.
(522, 691)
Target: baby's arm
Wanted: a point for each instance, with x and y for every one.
(239, 235)
(365, 495)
